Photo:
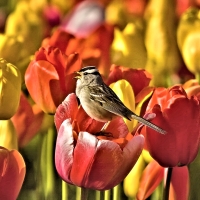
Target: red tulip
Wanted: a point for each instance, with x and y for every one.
(27, 120)
(50, 77)
(153, 174)
(88, 159)
(179, 116)
(138, 78)
(12, 173)
(91, 49)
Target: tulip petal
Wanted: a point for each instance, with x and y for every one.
(133, 76)
(67, 110)
(46, 90)
(84, 19)
(105, 164)
(12, 170)
(27, 120)
(64, 150)
(150, 179)
(179, 116)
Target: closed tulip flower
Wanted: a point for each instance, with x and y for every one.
(53, 75)
(10, 87)
(179, 115)
(87, 158)
(27, 121)
(12, 173)
(8, 135)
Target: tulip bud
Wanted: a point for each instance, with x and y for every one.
(188, 38)
(10, 87)
(10, 47)
(12, 173)
(123, 50)
(8, 135)
(160, 40)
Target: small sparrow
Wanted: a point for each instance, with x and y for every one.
(100, 102)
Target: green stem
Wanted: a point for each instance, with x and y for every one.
(78, 193)
(64, 190)
(97, 195)
(167, 186)
(107, 195)
(168, 80)
(197, 77)
(116, 192)
(84, 193)
(47, 164)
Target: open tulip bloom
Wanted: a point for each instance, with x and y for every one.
(90, 159)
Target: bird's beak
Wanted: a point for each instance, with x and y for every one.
(78, 75)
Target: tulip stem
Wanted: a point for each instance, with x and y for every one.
(116, 192)
(107, 195)
(167, 186)
(64, 190)
(197, 77)
(84, 193)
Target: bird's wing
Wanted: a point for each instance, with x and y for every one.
(106, 98)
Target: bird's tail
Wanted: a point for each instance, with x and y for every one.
(147, 123)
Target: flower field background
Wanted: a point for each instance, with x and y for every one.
(147, 51)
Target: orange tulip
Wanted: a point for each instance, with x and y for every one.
(50, 77)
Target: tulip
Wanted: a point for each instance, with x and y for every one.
(53, 75)
(125, 93)
(87, 158)
(152, 176)
(86, 17)
(10, 87)
(91, 49)
(12, 173)
(188, 39)
(27, 24)
(10, 47)
(138, 78)
(160, 41)
(123, 52)
(8, 135)
(27, 121)
(179, 116)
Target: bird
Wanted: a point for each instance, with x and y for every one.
(100, 102)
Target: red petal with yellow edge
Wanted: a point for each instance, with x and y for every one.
(151, 177)
(12, 173)
(138, 78)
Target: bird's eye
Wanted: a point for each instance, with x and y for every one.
(85, 73)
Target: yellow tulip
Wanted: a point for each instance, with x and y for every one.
(28, 24)
(10, 88)
(8, 135)
(131, 182)
(10, 47)
(125, 92)
(188, 39)
(128, 47)
(162, 49)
